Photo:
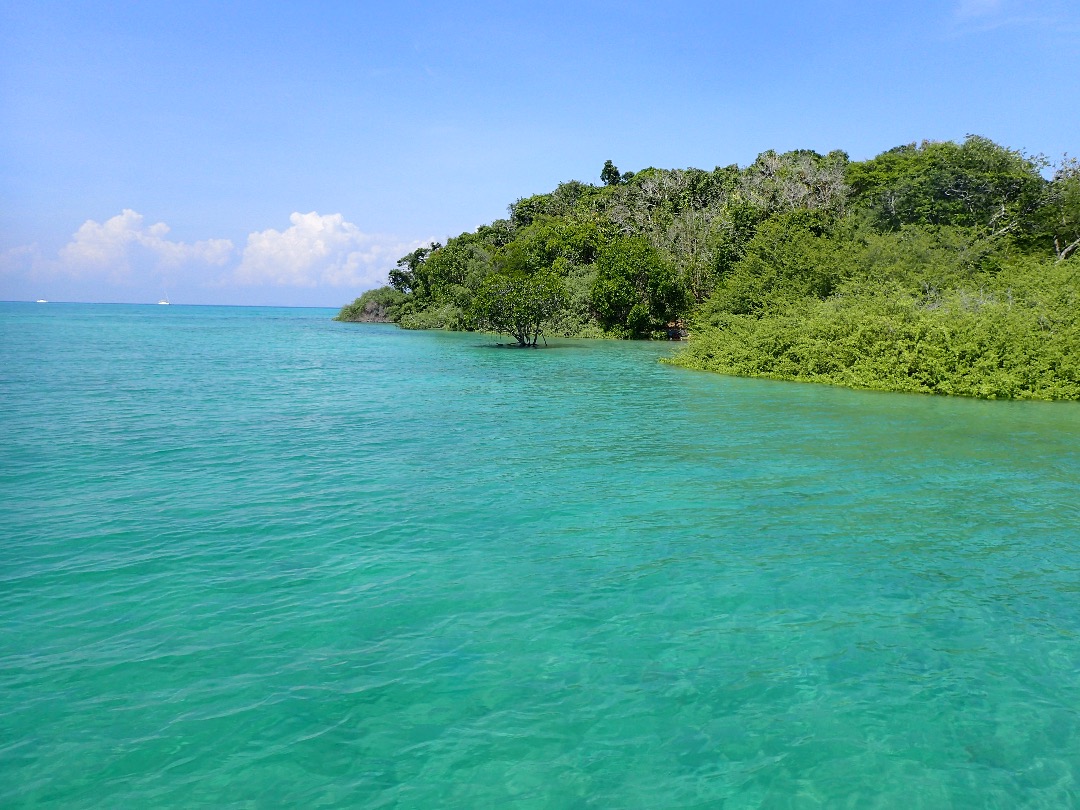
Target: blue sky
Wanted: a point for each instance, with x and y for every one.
(286, 153)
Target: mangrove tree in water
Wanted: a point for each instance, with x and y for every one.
(518, 304)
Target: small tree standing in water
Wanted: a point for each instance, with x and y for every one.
(518, 304)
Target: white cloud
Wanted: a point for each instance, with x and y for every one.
(15, 257)
(112, 247)
(971, 9)
(1054, 17)
(319, 249)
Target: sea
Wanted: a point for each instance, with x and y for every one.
(253, 557)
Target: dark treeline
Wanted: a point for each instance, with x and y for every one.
(939, 267)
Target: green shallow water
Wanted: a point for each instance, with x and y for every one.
(252, 557)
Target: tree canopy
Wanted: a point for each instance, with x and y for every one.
(518, 304)
(609, 175)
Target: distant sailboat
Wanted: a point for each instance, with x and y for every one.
(164, 301)
(41, 301)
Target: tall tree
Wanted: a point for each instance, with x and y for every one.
(609, 175)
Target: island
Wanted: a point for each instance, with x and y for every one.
(938, 267)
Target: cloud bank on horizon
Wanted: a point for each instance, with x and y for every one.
(125, 259)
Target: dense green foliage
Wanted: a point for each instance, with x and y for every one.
(939, 267)
(374, 306)
(1013, 333)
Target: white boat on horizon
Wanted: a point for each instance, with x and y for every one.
(164, 301)
(41, 301)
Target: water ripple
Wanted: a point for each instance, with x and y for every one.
(255, 557)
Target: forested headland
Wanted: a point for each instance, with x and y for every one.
(937, 267)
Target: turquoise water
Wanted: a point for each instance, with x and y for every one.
(255, 558)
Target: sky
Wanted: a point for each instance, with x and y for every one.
(288, 154)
